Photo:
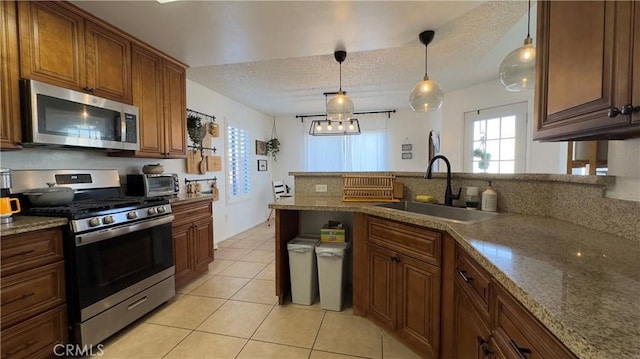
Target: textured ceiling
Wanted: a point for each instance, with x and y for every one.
(277, 57)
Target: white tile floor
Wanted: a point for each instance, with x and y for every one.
(232, 312)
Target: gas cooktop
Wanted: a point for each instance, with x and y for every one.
(93, 207)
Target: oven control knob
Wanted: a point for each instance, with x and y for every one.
(108, 220)
(161, 210)
(94, 222)
(132, 215)
(152, 211)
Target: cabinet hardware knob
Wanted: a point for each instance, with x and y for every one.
(481, 340)
(486, 351)
(89, 89)
(463, 275)
(628, 109)
(521, 351)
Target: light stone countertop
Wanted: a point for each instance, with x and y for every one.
(582, 284)
(24, 224)
(186, 198)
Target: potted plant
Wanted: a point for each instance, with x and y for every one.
(196, 131)
(273, 145)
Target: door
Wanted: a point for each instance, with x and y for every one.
(181, 253)
(175, 110)
(203, 244)
(51, 44)
(419, 299)
(108, 63)
(382, 285)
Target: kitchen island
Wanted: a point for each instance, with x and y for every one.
(582, 284)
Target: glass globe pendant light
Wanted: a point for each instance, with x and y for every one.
(518, 69)
(340, 107)
(426, 95)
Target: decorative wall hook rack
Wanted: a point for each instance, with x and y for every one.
(210, 118)
(214, 179)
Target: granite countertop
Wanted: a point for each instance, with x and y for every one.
(582, 284)
(188, 197)
(23, 224)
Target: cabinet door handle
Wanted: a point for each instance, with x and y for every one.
(24, 296)
(17, 254)
(464, 277)
(89, 89)
(486, 351)
(521, 351)
(481, 340)
(21, 348)
(395, 259)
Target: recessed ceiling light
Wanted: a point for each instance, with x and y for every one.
(165, 1)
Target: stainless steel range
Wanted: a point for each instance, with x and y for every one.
(118, 250)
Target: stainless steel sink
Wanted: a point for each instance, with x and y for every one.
(451, 214)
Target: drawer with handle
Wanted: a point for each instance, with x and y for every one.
(31, 292)
(22, 252)
(419, 243)
(475, 279)
(36, 337)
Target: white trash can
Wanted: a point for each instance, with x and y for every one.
(332, 265)
(303, 271)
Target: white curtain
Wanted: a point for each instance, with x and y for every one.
(364, 152)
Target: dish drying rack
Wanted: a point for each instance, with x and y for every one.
(368, 187)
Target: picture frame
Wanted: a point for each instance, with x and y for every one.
(261, 148)
(407, 155)
(262, 165)
(407, 147)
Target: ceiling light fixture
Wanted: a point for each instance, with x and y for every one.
(518, 69)
(340, 107)
(426, 95)
(327, 127)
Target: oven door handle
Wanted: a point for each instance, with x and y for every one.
(107, 233)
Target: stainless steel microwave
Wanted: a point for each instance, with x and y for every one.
(55, 116)
(153, 185)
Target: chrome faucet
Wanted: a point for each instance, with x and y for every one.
(448, 196)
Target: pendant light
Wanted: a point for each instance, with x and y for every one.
(518, 69)
(426, 95)
(340, 107)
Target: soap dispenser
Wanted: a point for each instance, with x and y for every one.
(489, 199)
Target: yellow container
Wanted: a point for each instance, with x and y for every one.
(332, 234)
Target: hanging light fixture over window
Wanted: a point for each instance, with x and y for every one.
(340, 107)
(426, 95)
(328, 127)
(518, 69)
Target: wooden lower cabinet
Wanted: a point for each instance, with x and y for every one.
(33, 308)
(472, 332)
(518, 334)
(192, 240)
(403, 291)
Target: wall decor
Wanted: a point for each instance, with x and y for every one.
(261, 148)
(262, 165)
(407, 155)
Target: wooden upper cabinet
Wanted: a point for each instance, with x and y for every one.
(51, 44)
(108, 61)
(147, 96)
(175, 109)
(60, 47)
(585, 70)
(10, 133)
(159, 92)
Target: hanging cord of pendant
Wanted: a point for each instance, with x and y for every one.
(340, 76)
(529, 19)
(426, 61)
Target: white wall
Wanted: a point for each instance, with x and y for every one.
(229, 219)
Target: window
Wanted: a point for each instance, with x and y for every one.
(364, 152)
(238, 164)
(495, 139)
